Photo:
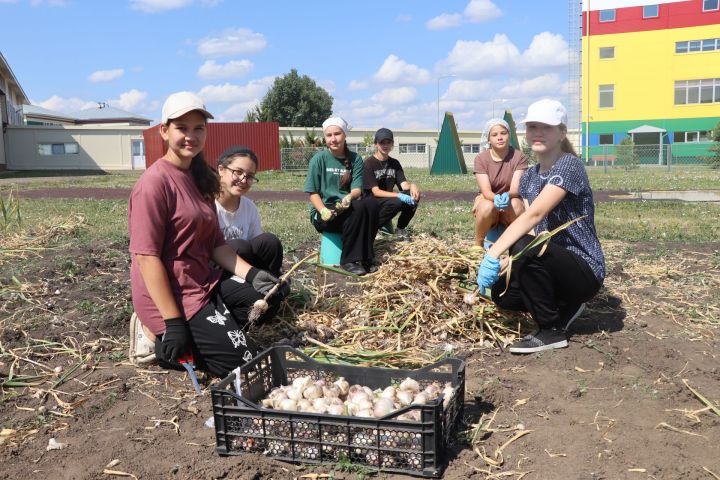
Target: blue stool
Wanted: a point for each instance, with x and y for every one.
(330, 248)
(493, 235)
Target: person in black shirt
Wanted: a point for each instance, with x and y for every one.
(380, 176)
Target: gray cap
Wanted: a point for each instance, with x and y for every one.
(383, 134)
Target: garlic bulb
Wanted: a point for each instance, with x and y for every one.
(304, 405)
(301, 383)
(420, 399)
(294, 393)
(343, 385)
(432, 391)
(410, 385)
(312, 392)
(405, 398)
(383, 406)
(331, 391)
(336, 410)
(288, 404)
(389, 392)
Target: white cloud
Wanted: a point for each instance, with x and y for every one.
(49, 3)
(154, 6)
(65, 105)
(237, 111)
(546, 49)
(328, 85)
(404, 18)
(106, 75)
(474, 57)
(233, 41)
(211, 70)
(468, 90)
(395, 69)
(132, 101)
(478, 11)
(395, 96)
(445, 20)
(236, 93)
(548, 84)
(358, 85)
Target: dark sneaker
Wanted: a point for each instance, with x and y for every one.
(355, 268)
(387, 229)
(370, 266)
(545, 339)
(574, 316)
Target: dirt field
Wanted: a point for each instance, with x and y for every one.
(616, 404)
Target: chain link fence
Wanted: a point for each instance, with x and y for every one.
(631, 156)
(298, 158)
(626, 157)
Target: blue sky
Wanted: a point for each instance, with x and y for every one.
(379, 59)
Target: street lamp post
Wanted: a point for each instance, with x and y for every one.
(497, 100)
(438, 99)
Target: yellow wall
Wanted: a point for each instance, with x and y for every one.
(644, 72)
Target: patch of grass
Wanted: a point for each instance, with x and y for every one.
(88, 307)
(70, 268)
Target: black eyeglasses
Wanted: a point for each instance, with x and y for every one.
(243, 175)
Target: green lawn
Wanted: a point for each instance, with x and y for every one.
(628, 221)
(679, 178)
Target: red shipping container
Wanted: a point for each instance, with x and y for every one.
(262, 137)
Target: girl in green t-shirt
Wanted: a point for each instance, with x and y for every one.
(334, 182)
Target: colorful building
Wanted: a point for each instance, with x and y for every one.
(650, 71)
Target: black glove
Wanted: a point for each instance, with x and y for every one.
(261, 280)
(175, 340)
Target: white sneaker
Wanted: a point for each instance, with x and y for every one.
(142, 349)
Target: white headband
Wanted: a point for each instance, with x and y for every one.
(495, 121)
(336, 122)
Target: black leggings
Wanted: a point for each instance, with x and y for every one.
(358, 225)
(550, 287)
(389, 207)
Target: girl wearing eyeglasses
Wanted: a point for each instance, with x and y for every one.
(240, 223)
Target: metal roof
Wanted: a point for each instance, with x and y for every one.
(5, 66)
(35, 111)
(106, 114)
(647, 129)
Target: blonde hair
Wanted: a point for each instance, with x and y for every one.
(565, 145)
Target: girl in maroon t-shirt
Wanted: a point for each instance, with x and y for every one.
(183, 304)
(498, 171)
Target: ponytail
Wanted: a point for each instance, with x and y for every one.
(566, 146)
(206, 180)
(346, 179)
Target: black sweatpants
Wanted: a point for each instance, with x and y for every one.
(358, 225)
(550, 287)
(389, 207)
(264, 251)
(219, 342)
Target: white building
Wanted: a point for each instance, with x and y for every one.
(12, 97)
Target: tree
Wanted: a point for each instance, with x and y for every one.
(527, 150)
(714, 158)
(627, 156)
(253, 115)
(295, 101)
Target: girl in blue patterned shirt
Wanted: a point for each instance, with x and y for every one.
(553, 286)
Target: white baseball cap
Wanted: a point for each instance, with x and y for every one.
(549, 112)
(180, 103)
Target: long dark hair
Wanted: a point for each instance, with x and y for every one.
(347, 176)
(205, 178)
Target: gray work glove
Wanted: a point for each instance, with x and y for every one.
(261, 280)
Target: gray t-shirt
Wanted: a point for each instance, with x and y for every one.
(569, 174)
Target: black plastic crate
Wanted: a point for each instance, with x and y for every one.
(387, 444)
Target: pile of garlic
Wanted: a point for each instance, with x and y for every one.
(341, 398)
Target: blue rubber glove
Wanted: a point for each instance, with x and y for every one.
(488, 272)
(502, 201)
(405, 198)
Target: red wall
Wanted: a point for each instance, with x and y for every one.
(671, 15)
(262, 137)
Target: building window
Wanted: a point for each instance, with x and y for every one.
(686, 137)
(711, 5)
(607, 52)
(606, 139)
(697, 91)
(651, 11)
(692, 46)
(471, 148)
(412, 148)
(58, 148)
(607, 15)
(607, 96)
